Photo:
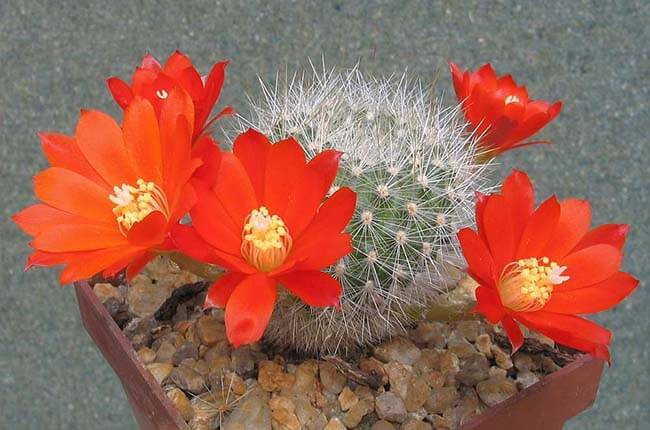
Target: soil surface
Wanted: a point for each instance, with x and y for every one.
(436, 375)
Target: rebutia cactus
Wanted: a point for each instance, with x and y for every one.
(414, 171)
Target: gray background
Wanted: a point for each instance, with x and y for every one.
(55, 54)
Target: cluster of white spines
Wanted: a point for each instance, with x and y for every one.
(414, 171)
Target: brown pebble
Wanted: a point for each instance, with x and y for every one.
(181, 403)
(147, 355)
(210, 330)
(272, 377)
(382, 425)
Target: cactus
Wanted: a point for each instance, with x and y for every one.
(414, 171)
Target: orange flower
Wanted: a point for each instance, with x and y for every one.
(111, 194)
(544, 267)
(265, 221)
(498, 111)
(155, 83)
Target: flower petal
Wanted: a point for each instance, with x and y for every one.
(176, 64)
(176, 123)
(252, 149)
(499, 231)
(457, 77)
(49, 259)
(285, 166)
(593, 298)
(142, 140)
(150, 231)
(234, 190)
(100, 140)
(538, 229)
(536, 116)
(591, 265)
(211, 93)
(309, 192)
(220, 291)
(213, 223)
(180, 68)
(312, 287)
(481, 201)
(207, 150)
(149, 62)
(572, 225)
(481, 266)
(489, 304)
(570, 330)
(70, 192)
(62, 151)
(120, 91)
(608, 234)
(34, 219)
(320, 254)
(189, 242)
(514, 333)
(249, 309)
(519, 194)
(90, 263)
(332, 217)
(137, 264)
(184, 203)
(77, 237)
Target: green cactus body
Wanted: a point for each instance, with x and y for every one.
(414, 171)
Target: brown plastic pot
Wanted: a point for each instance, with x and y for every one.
(547, 405)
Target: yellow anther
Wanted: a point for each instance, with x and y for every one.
(527, 284)
(133, 204)
(266, 240)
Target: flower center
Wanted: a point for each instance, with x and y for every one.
(512, 99)
(133, 204)
(527, 284)
(265, 240)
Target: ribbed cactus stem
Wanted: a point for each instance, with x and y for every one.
(414, 171)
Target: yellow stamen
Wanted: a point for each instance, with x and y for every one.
(266, 242)
(133, 204)
(527, 284)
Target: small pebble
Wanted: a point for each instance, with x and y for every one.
(398, 349)
(347, 399)
(390, 407)
(147, 355)
(495, 390)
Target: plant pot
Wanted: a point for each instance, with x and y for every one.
(546, 405)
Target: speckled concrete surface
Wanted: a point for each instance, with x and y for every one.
(592, 55)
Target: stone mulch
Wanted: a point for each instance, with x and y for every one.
(436, 376)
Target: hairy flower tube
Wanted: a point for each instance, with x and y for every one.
(265, 220)
(544, 267)
(499, 112)
(155, 82)
(112, 193)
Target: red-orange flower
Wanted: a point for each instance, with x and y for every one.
(544, 267)
(112, 193)
(155, 82)
(498, 111)
(265, 221)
